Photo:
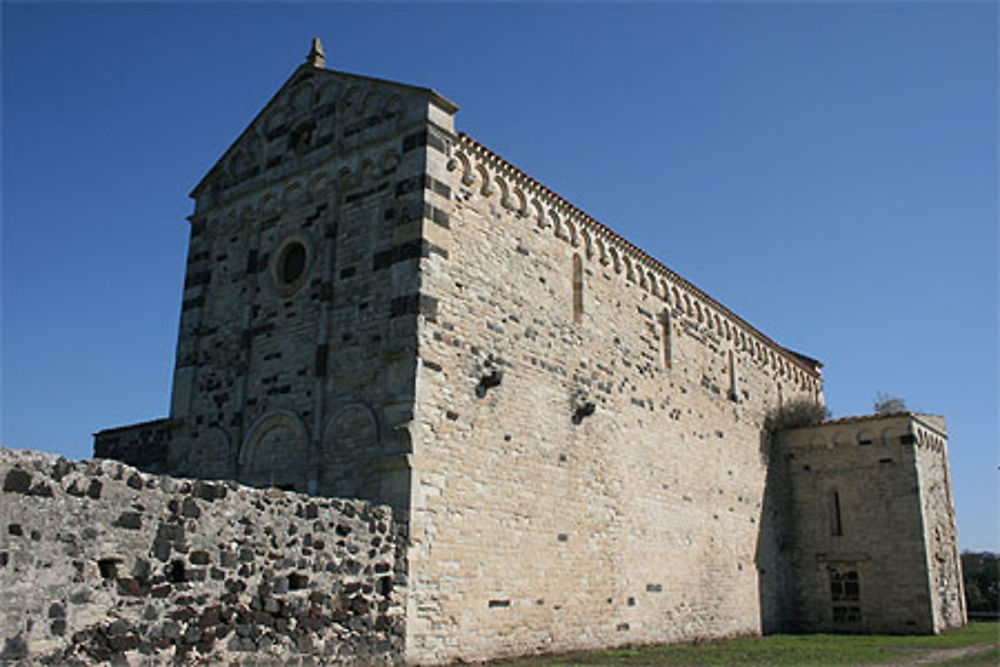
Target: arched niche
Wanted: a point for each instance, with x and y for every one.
(276, 452)
(350, 441)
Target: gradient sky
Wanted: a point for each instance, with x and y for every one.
(826, 170)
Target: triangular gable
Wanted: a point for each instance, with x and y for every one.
(310, 91)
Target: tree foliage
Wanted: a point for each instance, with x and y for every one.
(886, 404)
(980, 571)
(795, 414)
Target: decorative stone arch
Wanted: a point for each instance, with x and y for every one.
(588, 243)
(352, 99)
(602, 251)
(640, 271)
(629, 269)
(329, 93)
(275, 119)
(557, 224)
(505, 199)
(866, 436)
(486, 189)
(540, 218)
(270, 205)
(372, 101)
(293, 196)
(677, 303)
(468, 176)
(388, 162)
(571, 233)
(698, 314)
(302, 97)
(347, 423)
(350, 438)
(688, 308)
(318, 184)
(276, 452)
(520, 202)
(392, 107)
(616, 260)
(347, 179)
(239, 164)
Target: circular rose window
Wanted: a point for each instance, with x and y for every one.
(291, 264)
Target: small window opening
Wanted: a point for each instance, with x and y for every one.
(292, 263)
(836, 525)
(577, 289)
(734, 386)
(845, 589)
(846, 614)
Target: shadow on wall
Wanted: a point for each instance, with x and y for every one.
(773, 548)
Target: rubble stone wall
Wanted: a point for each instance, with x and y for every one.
(99, 561)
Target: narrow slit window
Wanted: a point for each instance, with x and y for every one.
(734, 383)
(577, 289)
(665, 339)
(836, 526)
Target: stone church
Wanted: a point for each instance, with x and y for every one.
(378, 306)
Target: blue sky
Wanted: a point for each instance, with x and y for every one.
(827, 170)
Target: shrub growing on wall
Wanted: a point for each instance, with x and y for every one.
(795, 414)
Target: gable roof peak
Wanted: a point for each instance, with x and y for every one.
(316, 57)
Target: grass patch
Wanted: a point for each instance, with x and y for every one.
(792, 650)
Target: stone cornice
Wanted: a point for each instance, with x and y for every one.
(529, 198)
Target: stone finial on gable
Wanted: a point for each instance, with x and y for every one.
(316, 57)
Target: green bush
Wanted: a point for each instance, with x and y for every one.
(981, 572)
(795, 414)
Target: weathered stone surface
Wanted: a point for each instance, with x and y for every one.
(873, 547)
(376, 306)
(107, 598)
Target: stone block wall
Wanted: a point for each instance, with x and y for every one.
(99, 561)
(295, 360)
(871, 532)
(588, 468)
(145, 446)
(378, 307)
(938, 517)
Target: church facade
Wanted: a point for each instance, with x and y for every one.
(379, 306)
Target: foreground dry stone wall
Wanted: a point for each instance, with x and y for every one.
(100, 562)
